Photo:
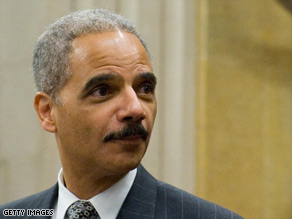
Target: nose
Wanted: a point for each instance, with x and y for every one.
(131, 108)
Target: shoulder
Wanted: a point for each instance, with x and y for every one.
(171, 202)
(44, 199)
(179, 203)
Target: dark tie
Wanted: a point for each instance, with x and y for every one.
(82, 210)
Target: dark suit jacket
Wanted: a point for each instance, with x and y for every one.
(148, 198)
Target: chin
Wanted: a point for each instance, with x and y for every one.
(123, 161)
(125, 164)
(129, 165)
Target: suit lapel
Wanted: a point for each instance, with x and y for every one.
(42, 200)
(140, 202)
(46, 199)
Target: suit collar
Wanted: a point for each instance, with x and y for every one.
(140, 202)
(43, 200)
(46, 199)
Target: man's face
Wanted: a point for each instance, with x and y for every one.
(107, 104)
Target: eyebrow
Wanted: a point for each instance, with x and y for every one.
(148, 76)
(99, 78)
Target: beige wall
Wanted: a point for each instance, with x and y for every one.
(28, 155)
(243, 99)
(244, 102)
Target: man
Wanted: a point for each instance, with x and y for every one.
(96, 93)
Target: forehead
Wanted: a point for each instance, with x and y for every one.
(110, 47)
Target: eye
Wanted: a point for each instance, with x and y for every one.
(101, 91)
(146, 89)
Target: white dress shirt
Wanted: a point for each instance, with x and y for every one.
(107, 203)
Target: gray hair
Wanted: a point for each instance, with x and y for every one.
(51, 55)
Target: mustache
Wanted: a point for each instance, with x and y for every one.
(130, 129)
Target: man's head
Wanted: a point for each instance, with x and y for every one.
(51, 57)
(103, 109)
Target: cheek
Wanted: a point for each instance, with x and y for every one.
(153, 109)
(94, 123)
(151, 114)
(73, 126)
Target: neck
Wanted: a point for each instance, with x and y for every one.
(85, 183)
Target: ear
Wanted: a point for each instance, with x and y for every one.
(43, 105)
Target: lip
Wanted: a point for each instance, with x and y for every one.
(129, 139)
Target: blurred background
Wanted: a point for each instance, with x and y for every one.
(224, 124)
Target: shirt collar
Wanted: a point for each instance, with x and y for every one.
(107, 203)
